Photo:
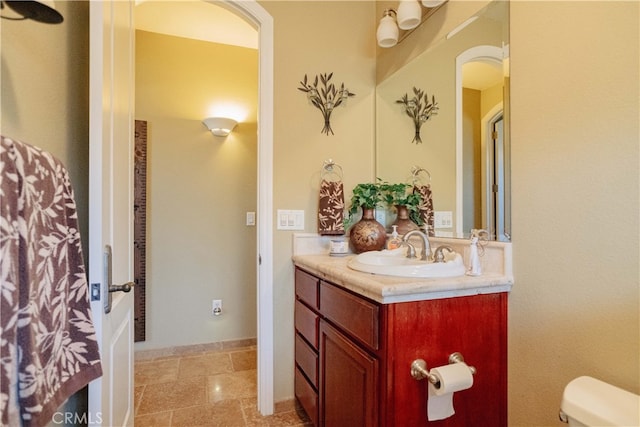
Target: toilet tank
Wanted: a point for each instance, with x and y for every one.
(590, 402)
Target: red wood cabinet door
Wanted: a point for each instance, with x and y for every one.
(348, 381)
(475, 326)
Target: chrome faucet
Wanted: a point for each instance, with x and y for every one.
(426, 245)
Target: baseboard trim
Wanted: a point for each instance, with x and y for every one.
(159, 353)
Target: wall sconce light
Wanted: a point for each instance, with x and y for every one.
(407, 17)
(220, 126)
(41, 11)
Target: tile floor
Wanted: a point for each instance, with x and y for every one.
(212, 388)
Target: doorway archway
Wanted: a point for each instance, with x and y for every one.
(257, 16)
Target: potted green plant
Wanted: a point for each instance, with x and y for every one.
(366, 234)
(406, 204)
(365, 196)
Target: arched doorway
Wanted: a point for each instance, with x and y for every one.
(263, 21)
(255, 14)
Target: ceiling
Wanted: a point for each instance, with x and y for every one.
(194, 19)
(206, 21)
(481, 75)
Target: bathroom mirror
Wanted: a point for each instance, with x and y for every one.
(465, 146)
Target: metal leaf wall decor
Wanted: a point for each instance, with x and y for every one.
(420, 109)
(325, 96)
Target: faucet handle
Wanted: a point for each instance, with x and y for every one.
(438, 255)
(411, 250)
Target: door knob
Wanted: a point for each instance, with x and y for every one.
(124, 288)
(107, 287)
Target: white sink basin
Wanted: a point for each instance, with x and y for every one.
(395, 263)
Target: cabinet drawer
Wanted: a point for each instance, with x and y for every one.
(307, 360)
(307, 397)
(307, 288)
(307, 323)
(355, 315)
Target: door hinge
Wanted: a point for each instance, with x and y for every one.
(495, 188)
(494, 135)
(95, 292)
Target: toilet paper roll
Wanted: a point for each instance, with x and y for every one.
(452, 378)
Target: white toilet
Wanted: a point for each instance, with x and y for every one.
(590, 402)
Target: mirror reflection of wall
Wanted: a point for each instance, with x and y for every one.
(462, 174)
(480, 137)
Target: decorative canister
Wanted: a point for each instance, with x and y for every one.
(367, 234)
(338, 247)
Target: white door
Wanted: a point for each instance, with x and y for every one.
(111, 206)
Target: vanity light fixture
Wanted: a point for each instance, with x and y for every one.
(388, 31)
(407, 17)
(41, 11)
(409, 14)
(432, 3)
(220, 126)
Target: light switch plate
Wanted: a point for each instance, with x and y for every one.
(290, 219)
(443, 219)
(251, 218)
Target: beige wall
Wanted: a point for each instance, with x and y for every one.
(471, 158)
(199, 189)
(574, 307)
(44, 92)
(312, 38)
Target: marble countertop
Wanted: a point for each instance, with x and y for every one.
(389, 289)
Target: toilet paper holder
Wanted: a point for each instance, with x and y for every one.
(419, 369)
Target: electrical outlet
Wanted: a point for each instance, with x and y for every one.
(216, 307)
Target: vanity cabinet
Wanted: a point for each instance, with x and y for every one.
(353, 356)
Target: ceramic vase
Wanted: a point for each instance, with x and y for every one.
(403, 221)
(367, 234)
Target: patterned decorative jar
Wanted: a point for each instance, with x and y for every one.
(367, 234)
